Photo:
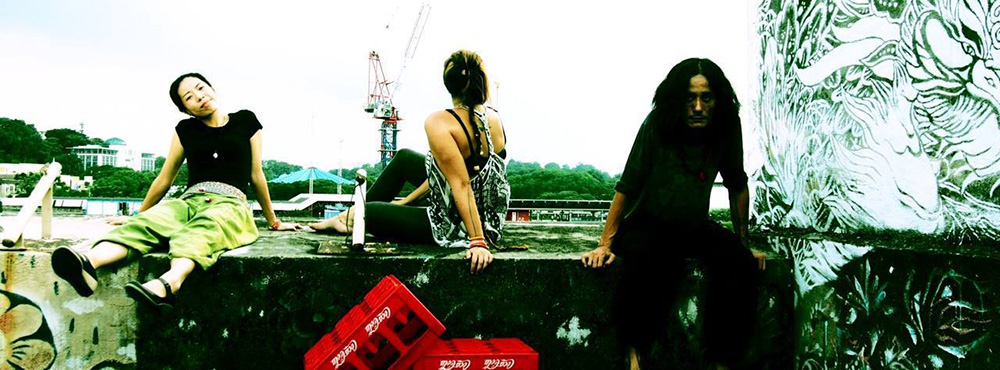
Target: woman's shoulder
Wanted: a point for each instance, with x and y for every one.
(441, 118)
(243, 113)
(247, 118)
(186, 123)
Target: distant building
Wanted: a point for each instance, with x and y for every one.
(116, 154)
(77, 183)
(8, 173)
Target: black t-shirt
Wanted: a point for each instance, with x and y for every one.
(672, 182)
(219, 154)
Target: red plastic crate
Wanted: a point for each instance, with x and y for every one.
(389, 329)
(476, 354)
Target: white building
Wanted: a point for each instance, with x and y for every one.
(116, 154)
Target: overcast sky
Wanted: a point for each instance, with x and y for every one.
(574, 81)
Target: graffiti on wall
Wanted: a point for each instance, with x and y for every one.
(45, 324)
(878, 114)
(862, 308)
(26, 338)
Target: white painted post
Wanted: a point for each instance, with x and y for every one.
(360, 194)
(47, 214)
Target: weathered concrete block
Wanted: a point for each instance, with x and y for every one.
(265, 305)
(46, 325)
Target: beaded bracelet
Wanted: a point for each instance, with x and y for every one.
(478, 242)
(275, 225)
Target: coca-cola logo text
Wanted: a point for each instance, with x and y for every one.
(342, 356)
(454, 364)
(498, 363)
(373, 325)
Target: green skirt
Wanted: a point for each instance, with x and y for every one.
(198, 226)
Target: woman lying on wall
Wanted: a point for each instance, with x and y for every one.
(212, 216)
(464, 178)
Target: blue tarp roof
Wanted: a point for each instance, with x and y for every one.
(310, 173)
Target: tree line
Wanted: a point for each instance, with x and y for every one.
(21, 142)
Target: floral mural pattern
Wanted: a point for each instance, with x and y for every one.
(25, 339)
(878, 114)
(880, 309)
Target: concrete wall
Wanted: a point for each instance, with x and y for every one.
(876, 308)
(880, 114)
(46, 325)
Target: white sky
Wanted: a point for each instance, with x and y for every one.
(575, 81)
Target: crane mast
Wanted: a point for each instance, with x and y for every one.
(379, 100)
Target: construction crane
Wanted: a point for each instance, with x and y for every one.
(380, 95)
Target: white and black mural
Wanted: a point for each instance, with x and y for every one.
(878, 114)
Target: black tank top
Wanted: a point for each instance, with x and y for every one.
(219, 154)
(475, 161)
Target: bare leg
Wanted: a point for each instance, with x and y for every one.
(105, 253)
(339, 223)
(180, 268)
(633, 359)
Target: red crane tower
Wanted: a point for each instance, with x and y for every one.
(379, 94)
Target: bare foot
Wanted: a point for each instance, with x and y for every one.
(633, 359)
(335, 224)
(156, 287)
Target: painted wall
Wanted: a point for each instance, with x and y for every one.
(877, 308)
(876, 114)
(44, 324)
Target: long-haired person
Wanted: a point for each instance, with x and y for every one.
(463, 180)
(659, 215)
(212, 216)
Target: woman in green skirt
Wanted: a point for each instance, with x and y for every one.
(209, 218)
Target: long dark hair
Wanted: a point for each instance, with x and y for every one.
(176, 98)
(670, 101)
(466, 80)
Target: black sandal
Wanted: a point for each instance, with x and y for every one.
(76, 269)
(147, 298)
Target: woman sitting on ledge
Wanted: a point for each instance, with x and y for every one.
(464, 177)
(209, 218)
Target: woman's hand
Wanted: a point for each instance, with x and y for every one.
(288, 226)
(116, 220)
(761, 259)
(599, 257)
(480, 258)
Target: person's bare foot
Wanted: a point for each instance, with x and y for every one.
(335, 224)
(155, 287)
(633, 359)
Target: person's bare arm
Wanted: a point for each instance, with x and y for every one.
(449, 159)
(172, 164)
(739, 213)
(602, 256)
(259, 182)
(414, 196)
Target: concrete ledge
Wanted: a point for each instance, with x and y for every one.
(263, 306)
(824, 305)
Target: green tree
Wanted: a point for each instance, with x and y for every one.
(25, 183)
(62, 190)
(64, 138)
(584, 182)
(119, 182)
(182, 173)
(515, 167)
(273, 169)
(20, 142)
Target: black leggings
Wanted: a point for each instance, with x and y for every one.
(653, 266)
(408, 224)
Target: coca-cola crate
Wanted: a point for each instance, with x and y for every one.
(477, 354)
(389, 329)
